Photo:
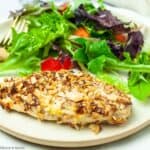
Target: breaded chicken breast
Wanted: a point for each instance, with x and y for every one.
(67, 97)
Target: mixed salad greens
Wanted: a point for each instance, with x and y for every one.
(84, 37)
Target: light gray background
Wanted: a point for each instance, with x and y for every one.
(138, 141)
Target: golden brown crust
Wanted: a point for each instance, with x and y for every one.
(69, 97)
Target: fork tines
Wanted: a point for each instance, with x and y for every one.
(19, 24)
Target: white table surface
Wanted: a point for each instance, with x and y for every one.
(138, 141)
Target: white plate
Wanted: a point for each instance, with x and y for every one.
(49, 133)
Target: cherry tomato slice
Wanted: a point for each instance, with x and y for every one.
(121, 37)
(51, 64)
(82, 32)
(67, 63)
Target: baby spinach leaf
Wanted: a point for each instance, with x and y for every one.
(98, 48)
(97, 65)
(80, 56)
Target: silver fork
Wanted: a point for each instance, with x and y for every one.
(19, 24)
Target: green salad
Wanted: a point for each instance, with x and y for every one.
(80, 36)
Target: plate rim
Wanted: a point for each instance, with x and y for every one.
(73, 144)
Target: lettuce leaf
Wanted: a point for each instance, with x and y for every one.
(115, 80)
(97, 57)
(25, 47)
(139, 85)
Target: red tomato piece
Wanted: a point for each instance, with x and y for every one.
(120, 37)
(67, 63)
(82, 32)
(51, 64)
